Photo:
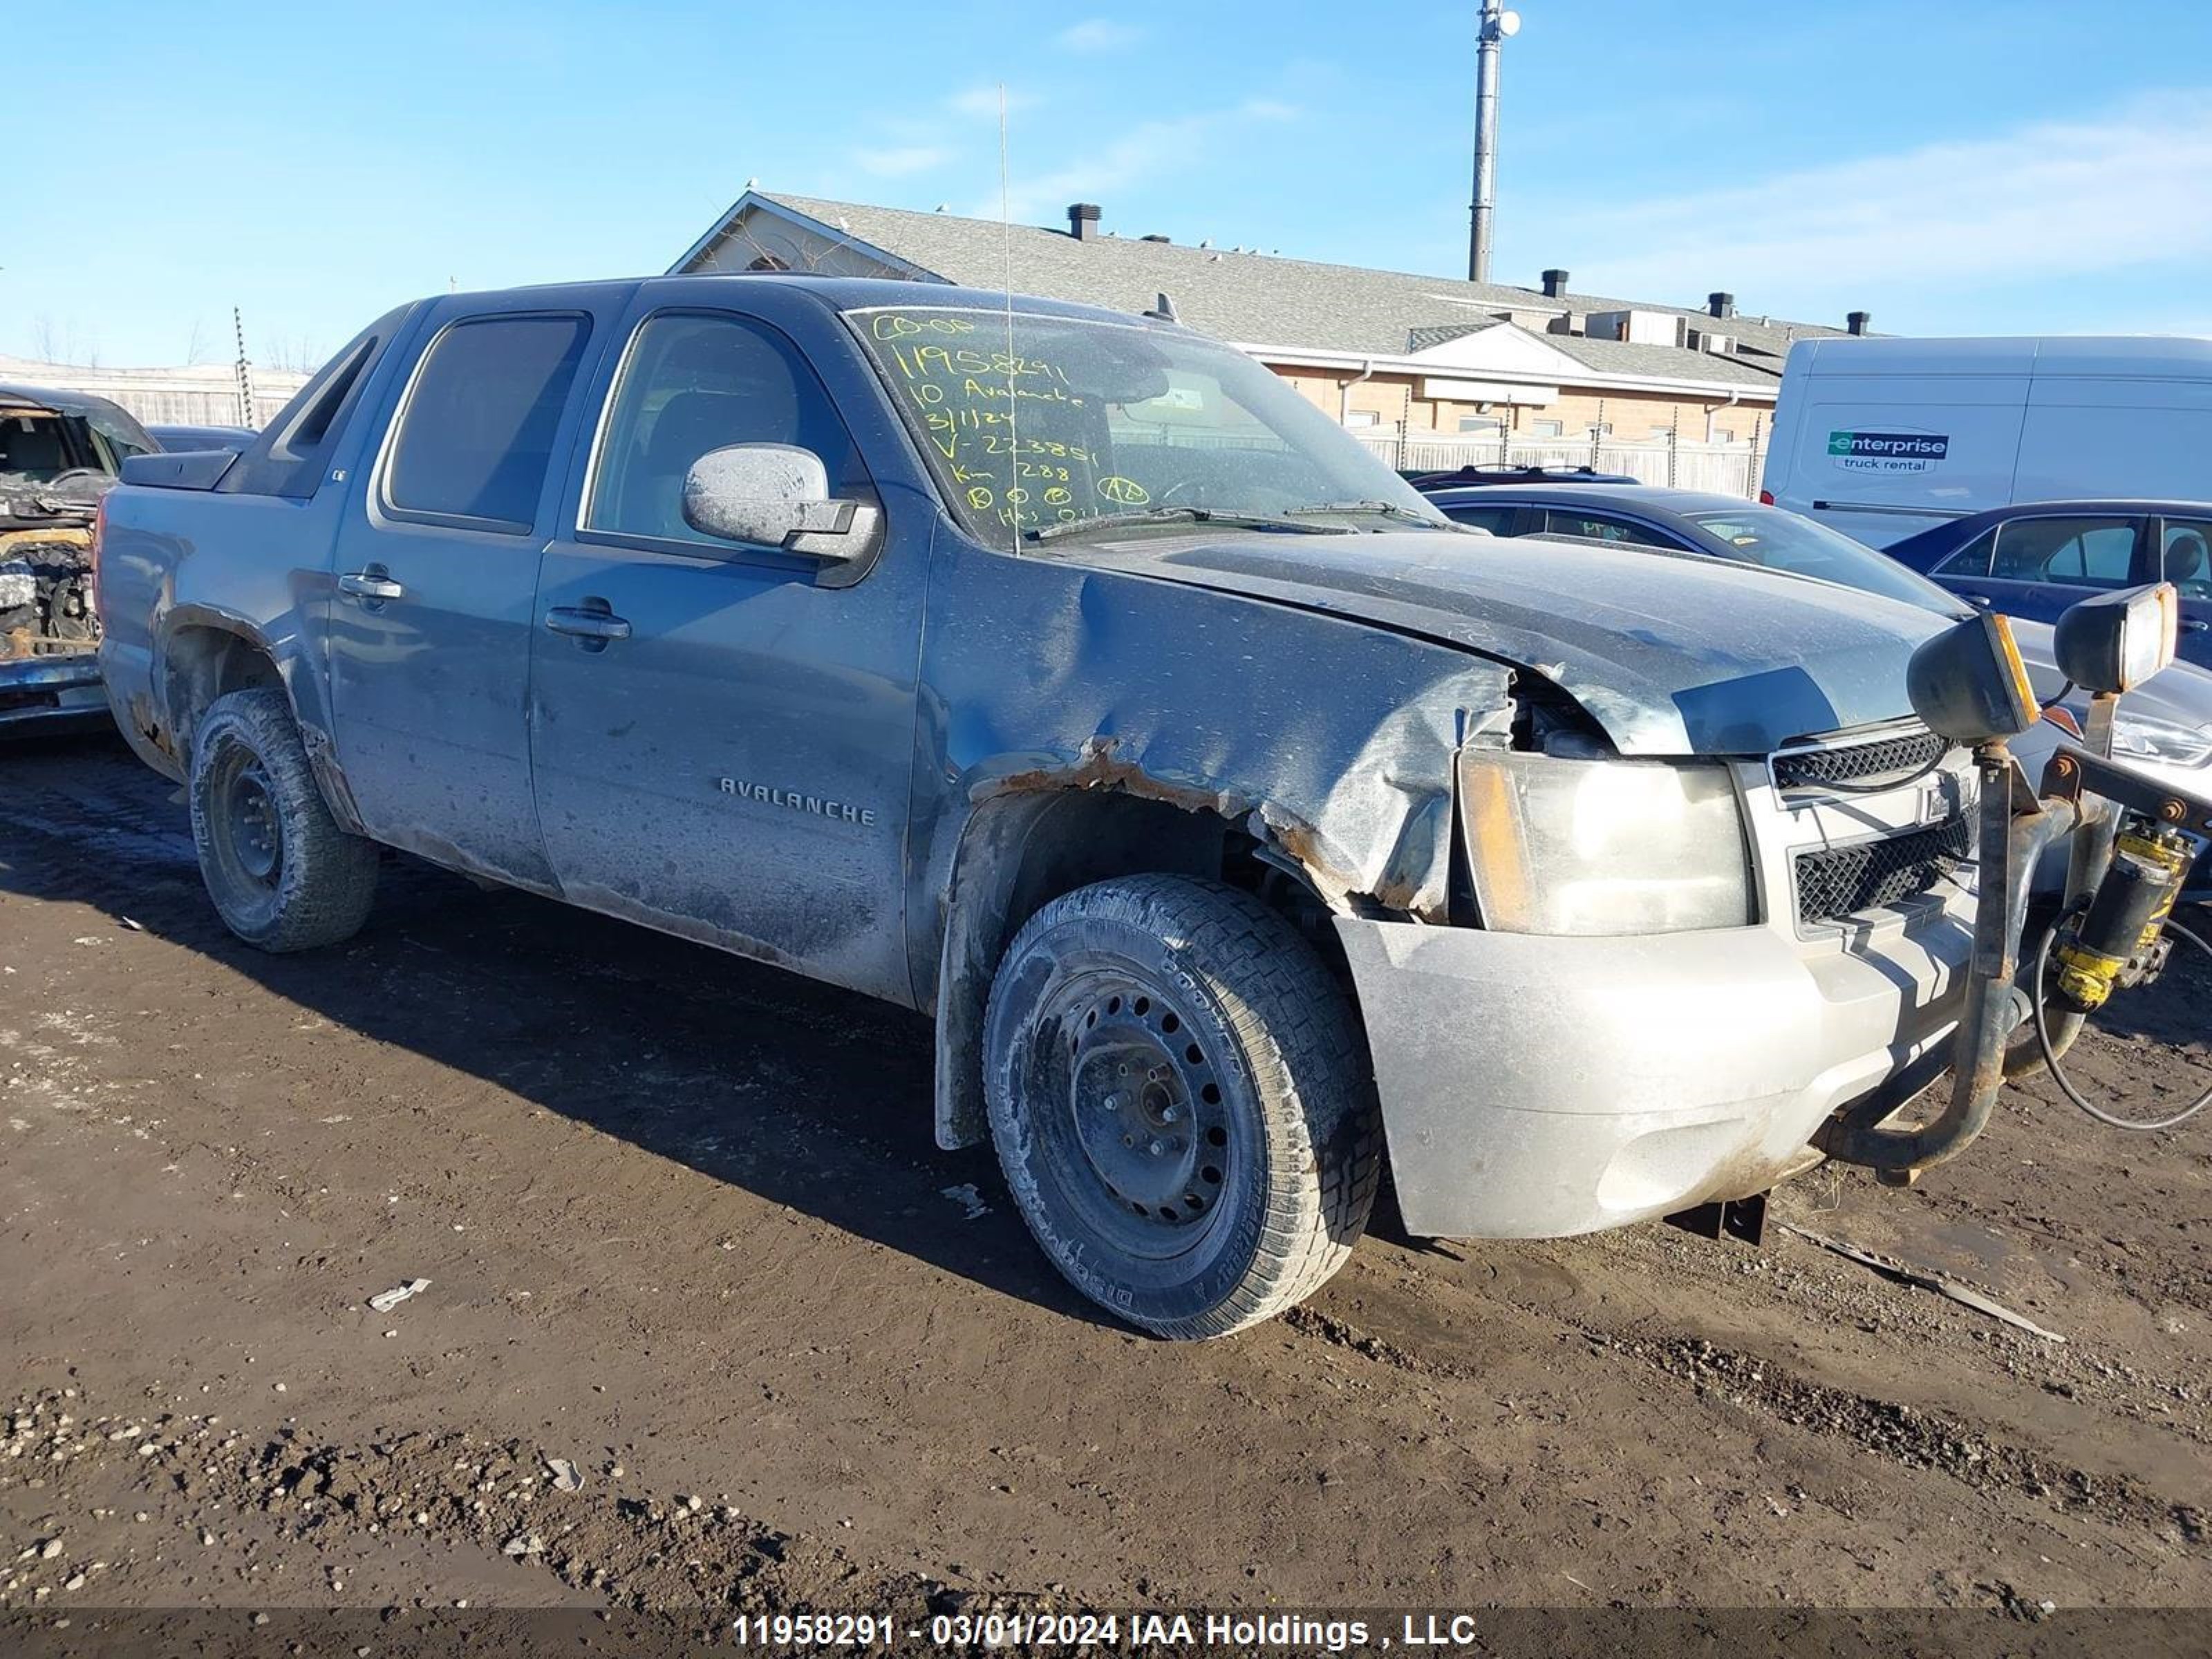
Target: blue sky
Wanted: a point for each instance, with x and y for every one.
(1960, 166)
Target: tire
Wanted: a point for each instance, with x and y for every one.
(282, 873)
(1179, 1096)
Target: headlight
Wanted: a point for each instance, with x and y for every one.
(2146, 738)
(1604, 847)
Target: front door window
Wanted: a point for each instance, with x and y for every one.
(695, 382)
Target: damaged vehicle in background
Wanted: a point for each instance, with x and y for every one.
(1068, 677)
(59, 453)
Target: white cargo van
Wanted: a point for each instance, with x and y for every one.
(1884, 437)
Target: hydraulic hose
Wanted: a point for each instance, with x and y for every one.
(2052, 1050)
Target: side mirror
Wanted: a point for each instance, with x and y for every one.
(774, 496)
(2115, 641)
(1969, 684)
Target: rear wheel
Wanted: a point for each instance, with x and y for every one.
(282, 873)
(1179, 1098)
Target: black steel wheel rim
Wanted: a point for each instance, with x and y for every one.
(247, 829)
(1136, 1121)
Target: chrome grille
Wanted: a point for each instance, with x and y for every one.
(1835, 882)
(1899, 756)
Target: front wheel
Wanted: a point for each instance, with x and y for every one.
(282, 873)
(1179, 1098)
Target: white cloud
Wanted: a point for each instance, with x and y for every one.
(2058, 199)
(1108, 169)
(983, 101)
(1098, 34)
(897, 161)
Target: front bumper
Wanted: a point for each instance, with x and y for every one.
(1535, 1087)
(50, 691)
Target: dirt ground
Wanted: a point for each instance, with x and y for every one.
(686, 1233)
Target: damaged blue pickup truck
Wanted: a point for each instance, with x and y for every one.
(1066, 676)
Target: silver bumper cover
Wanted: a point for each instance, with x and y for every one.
(37, 689)
(1537, 1087)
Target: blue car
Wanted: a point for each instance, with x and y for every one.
(2036, 558)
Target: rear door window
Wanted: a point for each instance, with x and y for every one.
(1596, 526)
(2083, 551)
(475, 438)
(1971, 560)
(1497, 520)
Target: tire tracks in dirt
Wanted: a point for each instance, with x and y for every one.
(1908, 1437)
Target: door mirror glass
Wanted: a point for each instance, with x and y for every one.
(773, 495)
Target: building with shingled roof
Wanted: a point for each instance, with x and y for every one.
(1429, 370)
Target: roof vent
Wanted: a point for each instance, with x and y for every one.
(1721, 304)
(1859, 321)
(1083, 221)
(1555, 284)
(1156, 237)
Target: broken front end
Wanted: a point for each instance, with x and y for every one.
(1683, 971)
(49, 628)
(52, 474)
(1693, 979)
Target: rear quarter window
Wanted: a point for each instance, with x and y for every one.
(290, 458)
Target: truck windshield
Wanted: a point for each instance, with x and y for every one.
(1783, 541)
(1040, 423)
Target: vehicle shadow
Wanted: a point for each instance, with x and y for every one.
(811, 1098)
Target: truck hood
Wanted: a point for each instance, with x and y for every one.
(1672, 655)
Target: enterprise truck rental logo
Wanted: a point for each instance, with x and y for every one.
(1888, 452)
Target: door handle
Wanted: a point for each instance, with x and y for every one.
(2197, 627)
(586, 622)
(373, 583)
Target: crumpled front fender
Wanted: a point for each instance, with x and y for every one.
(1332, 743)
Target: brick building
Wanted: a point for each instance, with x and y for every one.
(1438, 368)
